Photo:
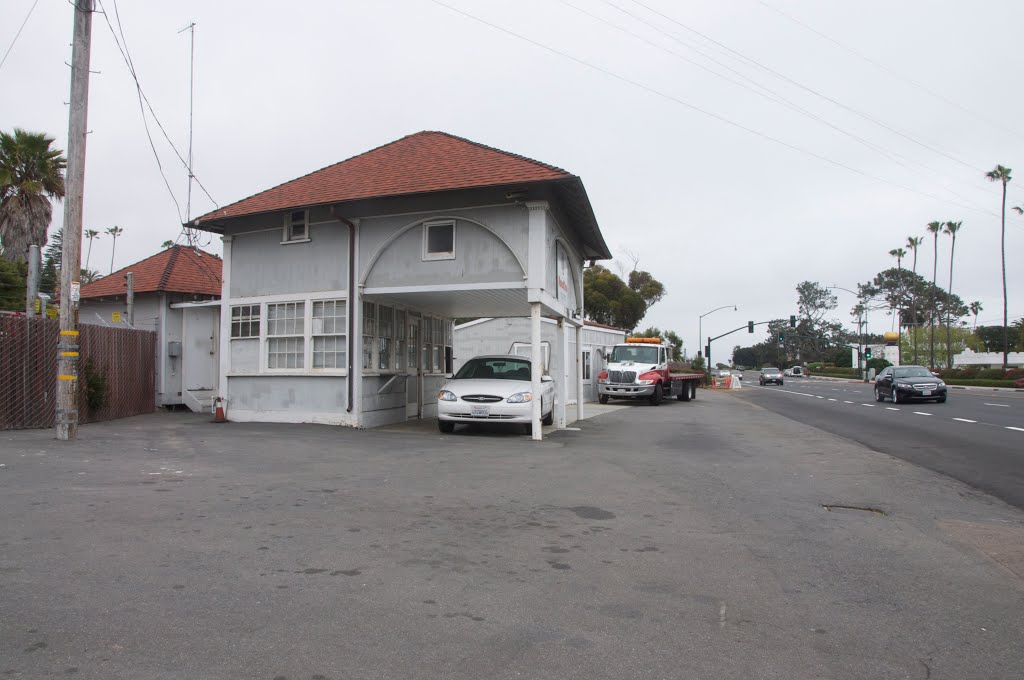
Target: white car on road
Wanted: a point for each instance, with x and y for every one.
(493, 389)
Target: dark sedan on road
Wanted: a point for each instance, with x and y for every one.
(907, 383)
(770, 375)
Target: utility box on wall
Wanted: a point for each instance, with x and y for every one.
(174, 349)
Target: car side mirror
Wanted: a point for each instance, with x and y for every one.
(449, 376)
(546, 378)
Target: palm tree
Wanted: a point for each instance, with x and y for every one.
(975, 308)
(899, 254)
(31, 174)
(90, 234)
(114, 232)
(933, 228)
(951, 228)
(913, 243)
(1001, 174)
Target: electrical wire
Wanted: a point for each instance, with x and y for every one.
(766, 92)
(806, 88)
(890, 71)
(131, 68)
(18, 34)
(693, 107)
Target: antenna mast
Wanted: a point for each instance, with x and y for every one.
(191, 28)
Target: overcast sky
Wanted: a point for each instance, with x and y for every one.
(931, 100)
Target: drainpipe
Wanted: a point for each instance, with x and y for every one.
(350, 381)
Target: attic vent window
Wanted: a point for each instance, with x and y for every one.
(439, 240)
(296, 226)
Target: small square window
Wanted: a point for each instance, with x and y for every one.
(296, 225)
(439, 240)
(245, 321)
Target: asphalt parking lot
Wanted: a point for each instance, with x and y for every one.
(704, 540)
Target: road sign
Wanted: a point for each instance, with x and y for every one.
(76, 291)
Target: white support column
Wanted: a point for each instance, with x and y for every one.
(562, 384)
(579, 371)
(225, 320)
(537, 364)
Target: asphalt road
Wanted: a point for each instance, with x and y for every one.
(710, 539)
(977, 436)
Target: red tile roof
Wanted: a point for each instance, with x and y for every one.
(420, 163)
(179, 269)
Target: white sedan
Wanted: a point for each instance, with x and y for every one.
(493, 389)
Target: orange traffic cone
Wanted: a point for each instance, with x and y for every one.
(218, 411)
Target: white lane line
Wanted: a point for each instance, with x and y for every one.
(819, 397)
(847, 402)
(965, 420)
(890, 408)
(999, 405)
(921, 413)
(869, 405)
(831, 399)
(1019, 429)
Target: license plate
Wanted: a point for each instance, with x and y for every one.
(926, 393)
(479, 411)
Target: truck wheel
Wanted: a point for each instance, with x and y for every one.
(656, 397)
(446, 427)
(684, 392)
(603, 398)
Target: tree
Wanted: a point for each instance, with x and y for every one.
(114, 232)
(88, 276)
(951, 228)
(933, 228)
(31, 175)
(975, 308)
(167, 244)
(899, 254)
(914, 242)
(814, 300)
(12, 285)
(668, 336)
(991, 337)
(1003, 175)
(90, 234)
(609, 300)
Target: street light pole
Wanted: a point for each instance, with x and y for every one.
(700, 331)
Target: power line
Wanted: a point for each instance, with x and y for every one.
(131, 69)
(807, 88)
(693, 107)
(18, 34)
(890, 71)
(771, 95)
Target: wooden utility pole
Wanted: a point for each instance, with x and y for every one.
(32, 287)
(130, 298)
(71, 257)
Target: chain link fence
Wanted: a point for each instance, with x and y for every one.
(116, 372)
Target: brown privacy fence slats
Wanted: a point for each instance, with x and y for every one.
(116, 371)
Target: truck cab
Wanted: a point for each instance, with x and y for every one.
(637, 369)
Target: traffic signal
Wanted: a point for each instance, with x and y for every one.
(782, 339)
(867, 352)
(750, 326)
(792, 321)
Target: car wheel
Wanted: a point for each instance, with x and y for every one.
(656, 397)
(603, 398)
(781, 383)
(549, 419)
(940, 400)
(895, 396)
(878, 395)
(445, 426)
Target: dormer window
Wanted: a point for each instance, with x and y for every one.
(439, 240)
(296, 226)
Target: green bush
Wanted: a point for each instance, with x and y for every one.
(979, 382)
(1015, 374)
(991, 374)
(878, 363)
(94, 384)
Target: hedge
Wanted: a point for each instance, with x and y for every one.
(980, 383)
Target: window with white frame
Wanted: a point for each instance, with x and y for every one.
(586, 365)
(438, 348)
(286, 335)
(296, 225)
(413, 349)
(369, 333)
(400, 332)
(245, 321)
(427, 339)
(328, 334)
(385, 331)
(439, 240)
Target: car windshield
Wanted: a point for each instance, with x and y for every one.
(769, 370)
(911, 372)
(639, 353)
(495, 368)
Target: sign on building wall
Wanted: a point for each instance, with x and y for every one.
(564, 277)
(115, 317)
